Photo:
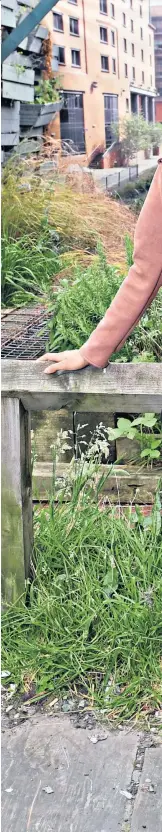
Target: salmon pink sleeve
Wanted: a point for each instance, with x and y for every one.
(140, 285)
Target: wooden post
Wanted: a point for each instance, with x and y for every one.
(16, 499)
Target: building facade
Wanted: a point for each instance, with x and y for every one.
(105, 56)
(156, 19)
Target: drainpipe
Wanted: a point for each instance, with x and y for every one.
(25, 27)
(85, 41)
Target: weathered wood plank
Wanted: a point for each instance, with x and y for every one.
(8, 18)
(46, 427)
(127, 388)
(16, 500)
(11, 73)
(10, 118)
(130, 485)
(9, 139)
(26, 487)
(17, 91)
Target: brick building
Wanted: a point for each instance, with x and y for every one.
(104, 53)
(156, 19)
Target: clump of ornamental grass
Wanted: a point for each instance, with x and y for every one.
(93, 623)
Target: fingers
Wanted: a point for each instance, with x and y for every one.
(50, 356)
(54, 368)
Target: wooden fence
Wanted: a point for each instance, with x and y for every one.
(120, 388)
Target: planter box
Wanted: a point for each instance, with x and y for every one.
(10, 118)
(17, 86)
(38, 115)
(9, 139)
(8, 14)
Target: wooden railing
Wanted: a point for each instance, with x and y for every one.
(25, 388)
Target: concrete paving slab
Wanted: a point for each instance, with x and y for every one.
(85, 778)
(147, 814)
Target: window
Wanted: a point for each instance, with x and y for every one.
(140, 11)
(114, 66)
(112, 9)
(111, 117)
(103, 34)
(150, 60)
(103, 6)
(142, 55)
(104, 63)
(141, 33)
(72, 121)
(58, 22)
(74, 2)
(61, 55)
(74, 26)
(112, 38)
(143, 77)
(131, 6)
(126, 70)
(75, 57)
(125, 44)
(132, 26)
(133, 73)
(151, 80)
(127, 105)
(124, 19)
(133, 50)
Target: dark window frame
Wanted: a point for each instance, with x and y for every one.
(103, 29)
(76, 52)
(103, 11)
(62, 63)
(75, 20)
(106, 59)
(58, 16)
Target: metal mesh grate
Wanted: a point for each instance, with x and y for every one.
(24, 334)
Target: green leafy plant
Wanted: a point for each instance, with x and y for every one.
(47, 91)
(150, 443)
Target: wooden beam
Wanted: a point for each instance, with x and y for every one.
(16, 499)
(124, 485)
(120, 388)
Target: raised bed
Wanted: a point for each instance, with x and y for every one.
(17, 83)
(38, 115)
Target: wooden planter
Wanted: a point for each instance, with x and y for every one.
(10, 123)
(8, 14)
(38, 115)
(17, 83)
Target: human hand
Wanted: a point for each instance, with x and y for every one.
(65, 361)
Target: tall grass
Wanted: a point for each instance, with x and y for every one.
(94, 620)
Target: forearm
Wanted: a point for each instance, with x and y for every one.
(137, 289)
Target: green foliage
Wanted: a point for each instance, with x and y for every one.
(129, 250)
(95, 607)
(136, 134)
(47, 91)
(79, 307)
(145, 430)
